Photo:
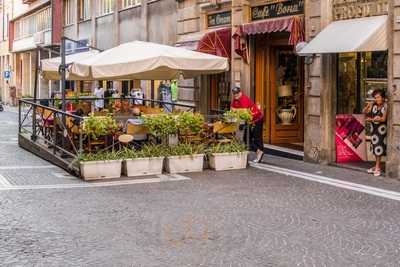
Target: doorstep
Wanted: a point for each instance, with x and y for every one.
(283, 152)
(335, 172)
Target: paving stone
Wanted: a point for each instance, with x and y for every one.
(235, 218)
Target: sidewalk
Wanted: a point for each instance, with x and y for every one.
(334, 172)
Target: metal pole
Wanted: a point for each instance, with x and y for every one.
(62, 70)
(35, 86)
(19, 116)
(63, 85)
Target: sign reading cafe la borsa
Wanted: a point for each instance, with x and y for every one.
(277, 8)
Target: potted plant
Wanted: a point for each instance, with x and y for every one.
(98, 126)
(146, 161)
(237, 115)
(190, 126)
(163, 126)
(185, 157)
(103, 165)
(228, 156)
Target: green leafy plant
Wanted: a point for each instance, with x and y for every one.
(234, 147)
(101, 156)
(147, 151)
(97, 126)
(184, 149)
(190, 123)
(241, 115)
(161, 125)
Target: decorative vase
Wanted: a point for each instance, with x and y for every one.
(286, 115)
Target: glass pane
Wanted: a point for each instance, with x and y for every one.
(347, 84)
(287, 88)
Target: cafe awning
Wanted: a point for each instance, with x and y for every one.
(294, 25)
(217, 43)
(353, 35)
(49, 67)
(147, 61)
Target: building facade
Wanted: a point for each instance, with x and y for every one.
(339, 83)
(28, 30)
(8, 9)
(305, 98)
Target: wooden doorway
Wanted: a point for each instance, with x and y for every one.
(279, 91)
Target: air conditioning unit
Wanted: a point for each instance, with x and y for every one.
(38, 38)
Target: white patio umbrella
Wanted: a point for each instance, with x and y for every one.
(147, 61)
(49, 67)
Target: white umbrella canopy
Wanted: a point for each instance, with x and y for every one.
(147, 61)
(49, 67)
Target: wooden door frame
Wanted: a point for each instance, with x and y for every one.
(264, 46)
(261, 84)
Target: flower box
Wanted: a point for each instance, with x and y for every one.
(186, 163)
(143, 166)
(102, 169)
(228, 161)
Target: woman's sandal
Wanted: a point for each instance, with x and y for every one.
(377, 173)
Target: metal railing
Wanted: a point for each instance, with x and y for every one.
(57, 130)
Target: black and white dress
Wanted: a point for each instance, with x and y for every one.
(379, 131)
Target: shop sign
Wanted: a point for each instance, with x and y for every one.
(350, 9)
(219, 19)
(277, 9)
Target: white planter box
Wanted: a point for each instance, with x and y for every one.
(181, 164)
(228, 161)
(95, 170)
(143, 166)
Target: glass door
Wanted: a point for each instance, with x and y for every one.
(287, 96)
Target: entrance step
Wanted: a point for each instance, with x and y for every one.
(283, 152)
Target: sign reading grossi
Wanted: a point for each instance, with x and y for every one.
(350, 9)
(277, 9)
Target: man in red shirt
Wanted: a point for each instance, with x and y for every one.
(240, 100)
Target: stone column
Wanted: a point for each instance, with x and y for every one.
(145, 21)
(93, 14)
(240, 71)
(393, 139)
(117, 5)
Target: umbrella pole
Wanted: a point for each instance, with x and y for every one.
(152, 92)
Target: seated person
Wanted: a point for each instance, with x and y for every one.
(138, 121)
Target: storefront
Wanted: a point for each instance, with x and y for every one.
(207, 28)
(267, 43)
(349, 59)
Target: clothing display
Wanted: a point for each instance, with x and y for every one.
(99, 93)
(166, 96)
(137, 93)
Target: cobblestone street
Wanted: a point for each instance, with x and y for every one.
(263, 216)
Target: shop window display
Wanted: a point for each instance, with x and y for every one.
(359, 75)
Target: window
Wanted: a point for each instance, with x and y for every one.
(105, 7)
(84, 9)
(27, 26)
(359, 74)
(69, 12)
(130, 3)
